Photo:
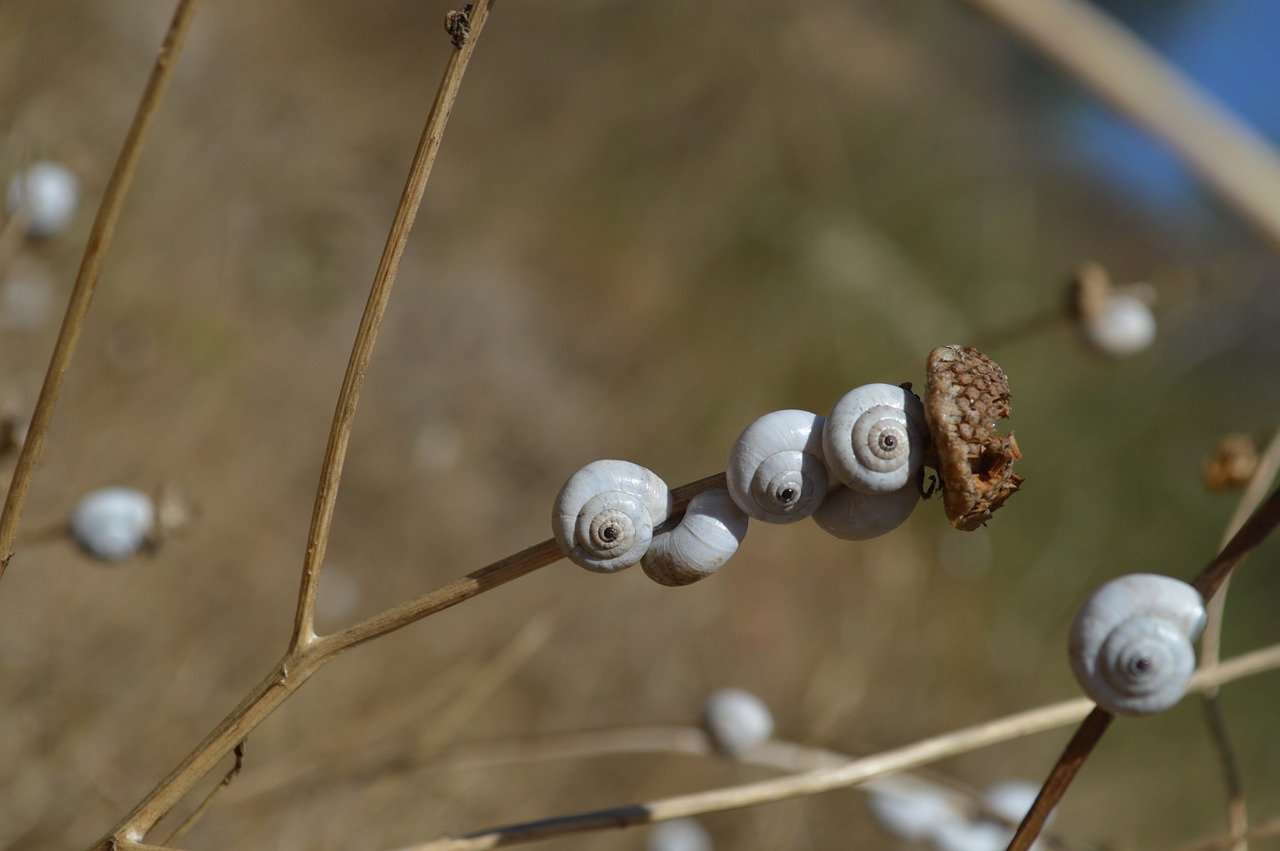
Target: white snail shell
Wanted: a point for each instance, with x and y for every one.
(776, 472)
(874, 438)
(604, 515)
(113, 523)
(706, 537)
(736, 720)
(1130, 645)
(855, 516)
(1124, 326)
(682, 834)
(47, 194)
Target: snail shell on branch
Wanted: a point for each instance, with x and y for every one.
(966, 394)
(1130, 644)
(604, 515)
(875, 437)
(856, 516)
(706, 537)
(776, 471)
(113, 523)
(735, 721)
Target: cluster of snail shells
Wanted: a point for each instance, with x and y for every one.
(1131, 643)
(853, 472)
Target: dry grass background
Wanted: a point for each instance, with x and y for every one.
(650, 223)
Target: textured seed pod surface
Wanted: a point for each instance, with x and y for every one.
(966, 395)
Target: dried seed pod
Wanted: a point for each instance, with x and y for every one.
(966, 394)
(1232, 463)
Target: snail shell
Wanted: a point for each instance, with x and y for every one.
(1130, 645)
(874, 438)
(855, 516)
(735, 721)
(706, 537)
(604, 515)
(113, 523)
(776, 471)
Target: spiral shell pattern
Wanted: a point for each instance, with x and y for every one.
(1131, 643)
(604, 515)
(707, 536)
(874, 438)
(776, 471)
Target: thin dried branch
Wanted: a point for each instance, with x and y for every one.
(829, 778)
(299, 665)
(304, 656)
(464, 28)
(1263, 830)
(1246, 540)
(198, 813)
(1229, 156)
(1211, 650)
(95, 255)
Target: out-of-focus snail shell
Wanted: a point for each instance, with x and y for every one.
(604, 515)
(776, 471)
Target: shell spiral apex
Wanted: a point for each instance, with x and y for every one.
(875, 438)
(1131, 643)
(604, 515)
(776, 471)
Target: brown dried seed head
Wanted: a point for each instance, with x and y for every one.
(1232, 464)
(1087, 293)
(966, 394)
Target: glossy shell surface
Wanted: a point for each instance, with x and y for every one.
(604, 515)
(1131, 643)
(776, 471)
(875, 437)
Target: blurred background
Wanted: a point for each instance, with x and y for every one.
(649, 224)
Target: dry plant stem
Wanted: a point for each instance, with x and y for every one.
(1245, 541)
(95, 254)
(190, 821)
(362, 350)
(827, 779)
(1211, 650)
(1235, 161)
(301, 662)
(1264, 830)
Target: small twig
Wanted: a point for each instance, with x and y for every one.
(362, 350)
(828, 779)
(1233, 159)
(190, 821)
(95, 255)
(298, 666)
(1211, 651)
(1251, 534)
(1263, 830)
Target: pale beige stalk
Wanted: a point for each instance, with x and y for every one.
(95, 255)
